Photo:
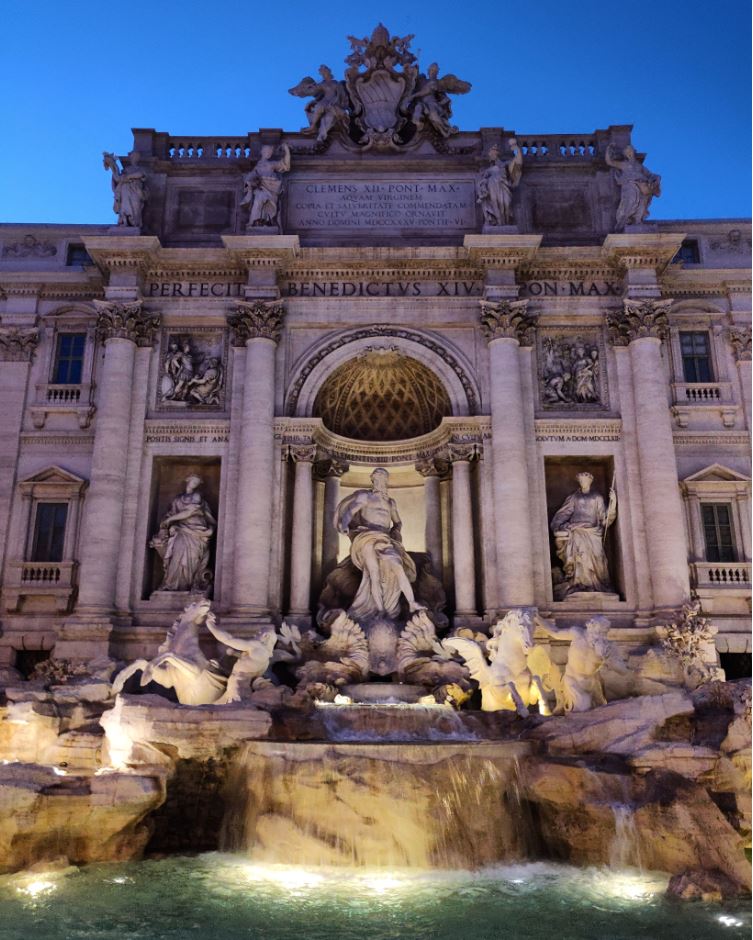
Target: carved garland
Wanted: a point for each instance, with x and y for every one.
(256, 320)
(17, 345)
(125, 321)
(639, 319)
(368, 333)
(740, 340)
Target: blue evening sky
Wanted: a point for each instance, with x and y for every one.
(77, 75)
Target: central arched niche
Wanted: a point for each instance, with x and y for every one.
(382, 395)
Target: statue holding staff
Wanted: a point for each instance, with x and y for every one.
(129, 188)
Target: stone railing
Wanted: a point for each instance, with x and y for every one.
(63, 399)
(559, 146)
(700, 393)
(208, 148)
(54, 579)
(721, 574)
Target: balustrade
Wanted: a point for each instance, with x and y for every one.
(208, 148)
(721, 574)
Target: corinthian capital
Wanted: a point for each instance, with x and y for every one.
(17, 345)
(639, 319)
(507, 319)
(257, 319)
(739, 337)
(126, 321)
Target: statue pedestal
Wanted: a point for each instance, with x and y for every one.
(173, 600)
(500, 230)
(595, 601)
(263, 230)
(123, 230)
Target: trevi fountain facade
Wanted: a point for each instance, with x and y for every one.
(377, 496)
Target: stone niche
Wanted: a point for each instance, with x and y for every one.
(168, 481)
(560, 473)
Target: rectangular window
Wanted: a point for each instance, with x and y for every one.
(49, 532)
(696, 356)
(69, 359)
(77, 255)
(688, 252)
(717, 531)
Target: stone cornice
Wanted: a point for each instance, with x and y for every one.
(118, 253)
(262, 251)
(507, 319)
(645, 250)
(638, 320)
(256, 319)
(501, 251)
(17, 344)
(126, 321)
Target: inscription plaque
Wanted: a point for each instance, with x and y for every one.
(384, 203)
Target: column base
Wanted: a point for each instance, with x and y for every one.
(299, 618)
(464, 618)
(247, 625)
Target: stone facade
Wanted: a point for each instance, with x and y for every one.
(518, 355)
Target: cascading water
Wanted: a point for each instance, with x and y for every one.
(624, 849)
(352, 801)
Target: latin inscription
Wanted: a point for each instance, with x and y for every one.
(373, 204)
(382, 288)
(179, 433)
(572, 289)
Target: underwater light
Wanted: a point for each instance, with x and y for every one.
(381, 884)
(729, 921)
(35, 888)
(285, 876)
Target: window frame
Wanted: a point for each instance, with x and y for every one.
(715, 504)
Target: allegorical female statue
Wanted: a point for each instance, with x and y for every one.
(182, 541)
(371, 520)
(638, 186)
(263, 185)
(129, 188)
(579, 528)
(495, 184)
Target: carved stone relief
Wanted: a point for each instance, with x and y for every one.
(192, 370)
(30, 247)
(571, 370)
(734, 243)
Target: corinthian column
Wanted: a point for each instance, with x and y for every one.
(433, 506)
(302, 535)
(642, 326)
(330, 470)
(463, 551)
(121, 327)
(257, 326)
(507, 326)
(739, 336)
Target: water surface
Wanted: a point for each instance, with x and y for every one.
(224, 897)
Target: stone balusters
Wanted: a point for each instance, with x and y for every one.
(463, 549)
(330, 471)
(739, 336)
(507, 326)
(121, 327)
(256, 325)
(17, 346)
(433, 506)
(641, 326)
(303, 456)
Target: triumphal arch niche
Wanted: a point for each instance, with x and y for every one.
(377, 374)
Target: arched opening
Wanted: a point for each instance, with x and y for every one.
(382, 395)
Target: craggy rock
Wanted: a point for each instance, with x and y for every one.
(622, 727)
(85, 819)
(702, 885)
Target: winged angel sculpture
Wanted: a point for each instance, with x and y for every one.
(384, 99)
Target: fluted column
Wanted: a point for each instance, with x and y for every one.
(463, 551)
(642, 326)
(433, 506)
(507, 326)
(121, 327)
(257, 326)
(303, 522)
(330, 470)
(739, 336)
(17, 348)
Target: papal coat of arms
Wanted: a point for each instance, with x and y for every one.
(384, 100)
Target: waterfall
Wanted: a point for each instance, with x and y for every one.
(407, 805)
(624, 849)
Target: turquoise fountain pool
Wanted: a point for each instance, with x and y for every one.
(224, 897)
